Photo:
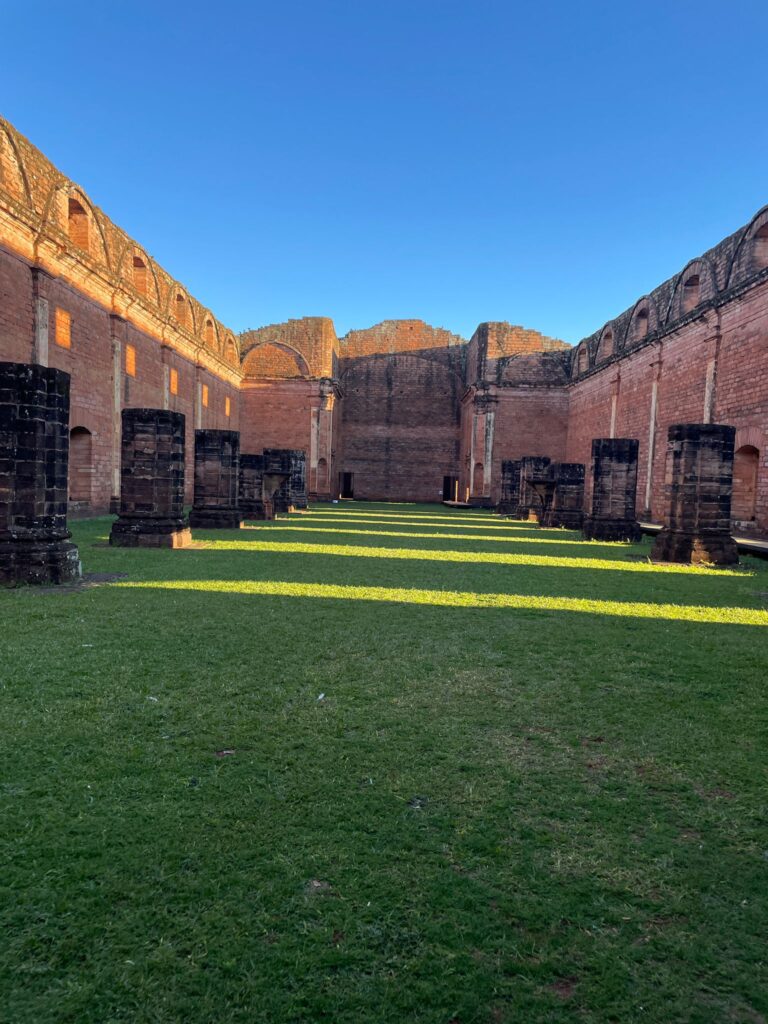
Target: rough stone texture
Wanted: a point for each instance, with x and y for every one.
(291, 495)
(566, 508)
(298, 481)
(152, 481)
(510, 487)
(277, 479)
(217, 471)
(532, 503)
(614, 486)
(252, 502)
(699, 486)
(34, 445)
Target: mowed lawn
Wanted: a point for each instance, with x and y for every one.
(385, 763)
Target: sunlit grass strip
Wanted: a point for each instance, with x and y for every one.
(440, 524)
(429, 555)
(467, 599)
(356, 510)
(514, 539)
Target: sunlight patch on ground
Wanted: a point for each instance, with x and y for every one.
(458, 524)
(514, 539)
(466, 599)
(422, 554)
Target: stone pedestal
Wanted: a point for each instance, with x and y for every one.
(566, 508)
(614, 490)
(151, 481)
(217, 471)
(699, 485)
(510, 488)
(34, 453)
(530, 504)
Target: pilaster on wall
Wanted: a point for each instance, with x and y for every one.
(40, 279)
(116, 330)
(321, 441)
(481, 444)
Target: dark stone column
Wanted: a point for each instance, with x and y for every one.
(277, 478)
(253, 504)
(510, 488)
(151, 481)
(531, 467)
(567, 506)
(217, 471)
(292, 493)
(699, 485)
(34, 456)
(614, 490)
(298, 481)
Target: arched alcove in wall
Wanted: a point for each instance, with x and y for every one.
(746, 461)
(80, 464)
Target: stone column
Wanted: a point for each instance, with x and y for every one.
(217, 471)
(252, 502)
(510, 487)
(34, 458)
(614, 490)
(278, 470)
(567, 508)
(698, 487)
(151, 481)
(531, 466)
(298, 481)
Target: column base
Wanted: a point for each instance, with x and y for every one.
(38, 562)
(256, 510)
(695, 549)
(150, 533)
(595, 528)
(216, 518)
(564, 519)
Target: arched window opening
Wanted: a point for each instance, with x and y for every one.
(77, 224)
(182, 310)
(760, 251)
(477, 479)
(80, 464)
(232, 351)
(691, 291)
(641, 324)
(745, 465)
(140, 275)
(209, 334)
(606, 345)
(582, 362)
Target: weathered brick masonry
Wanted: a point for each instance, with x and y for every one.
(400, 411)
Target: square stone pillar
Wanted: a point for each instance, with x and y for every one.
(217, 471)
(510, 487)
(252, 501)
(567, 506)
(34, 457)
(298, 481)
(531, 467)
(698, 486)
(290, 465)
(151, 481)
(614, 490)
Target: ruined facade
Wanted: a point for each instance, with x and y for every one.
(400, 411)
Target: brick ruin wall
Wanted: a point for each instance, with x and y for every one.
(399, 405)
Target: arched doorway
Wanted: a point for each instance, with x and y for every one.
(745, 464)
(80, 465)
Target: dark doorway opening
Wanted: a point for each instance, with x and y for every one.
(346, 485)
(450, 488)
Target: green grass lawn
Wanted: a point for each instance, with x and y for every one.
(385, 763)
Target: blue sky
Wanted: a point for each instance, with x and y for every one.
(544, 163)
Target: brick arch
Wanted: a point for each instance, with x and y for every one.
(607, 343)
(752, 436)
(175, 289)
(128, 251)
(274, 359)
(12, 169)
(636, 330)
(214, 343)
(581, 361)
(230, 350)
(707, 288)
(54, 216)
(742, 264)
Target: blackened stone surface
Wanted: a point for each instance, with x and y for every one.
(252, 502)
(699, 486)
(567, 504)
(151, 481)
(510, 487)
(217, 471)
(614, 490)
(531, 467)
(291, 495)
(34, 456)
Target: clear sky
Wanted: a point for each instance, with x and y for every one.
(543, 162)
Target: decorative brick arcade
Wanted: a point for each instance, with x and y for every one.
(614, 487)
(151, 481)
(510, 487)
(34, 441)
(699, 486)
(532, 467)
(217, 471)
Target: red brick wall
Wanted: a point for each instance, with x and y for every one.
(16, 309)
(276, 414)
